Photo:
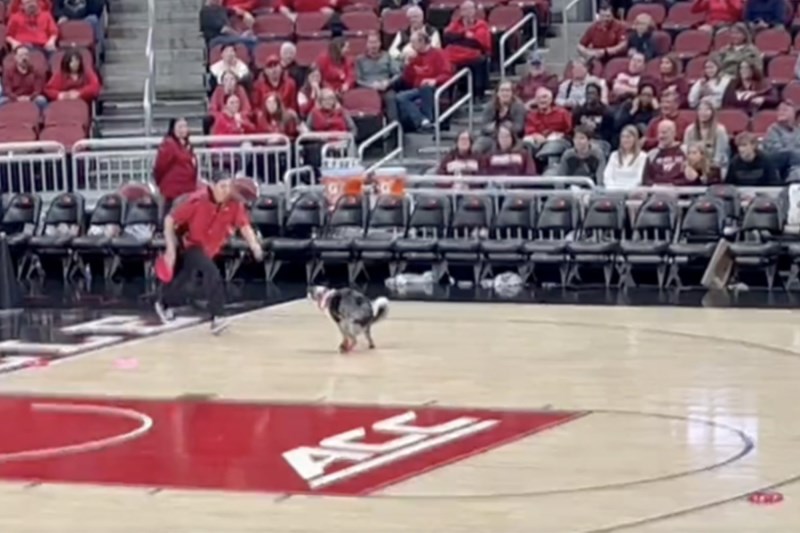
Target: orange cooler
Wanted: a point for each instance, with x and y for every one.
(339, 182)
(391, 181)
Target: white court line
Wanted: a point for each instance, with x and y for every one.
(89, 446)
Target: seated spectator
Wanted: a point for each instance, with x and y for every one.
(706, 131)
(749, 89)
(175, 169)
(547, 126)
(274, 118)
(232, 121)
(21, 83)
(230, 62)
(718, 12)
(640, 111)
(670, 111)
(73, 80)
(290, 8)
(711, 86)
(671, 79)
(508, 157)
(504, 108)
(329, 116)
(583, 160)
(468, 44)
(32, 27)
(698, 170)
(16, 6)
(782, 141)
(572, 91)
(215, 24)
(666, 162)
(243, 9)
(535, 76)
(741, 48)
(427, 69)
(338, 71)
(640, 38)
(229, 85)
(596, 118)
(625, 167)
(89, 10)
(625, 85)
(762, 14)
(273, 80)
(309, 93)
(462, 160)
(401, 48)
(750, 167)
(605, 38)
(288, 54)
(375, 69)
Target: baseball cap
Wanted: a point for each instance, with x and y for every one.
(272, 61)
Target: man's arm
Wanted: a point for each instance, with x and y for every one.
(249, 234)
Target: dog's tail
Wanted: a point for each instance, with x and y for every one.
(380, 308)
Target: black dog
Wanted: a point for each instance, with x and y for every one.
(352, 311)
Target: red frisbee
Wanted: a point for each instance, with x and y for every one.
(163, 270)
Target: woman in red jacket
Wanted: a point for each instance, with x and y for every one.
(175, 170)
(274, 118)
(338, 71)
(309, 93)
(327, 117)
(228, 85)
(232, 121)
(718, 12)
(73, 80)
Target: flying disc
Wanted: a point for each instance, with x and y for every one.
(163, 270)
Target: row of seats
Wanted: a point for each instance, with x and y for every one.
(679, 16)
(71, 33)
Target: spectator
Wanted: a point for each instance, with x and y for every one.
(274, 118)
(762, 14)
(596, 118)
(21, 82)
(243, 9)
(536, 76)
(329, 115)
(782, 141)
(229, 62)
(750, 167)
(718, 12)
(468, 44)
(572, 91)
(709, 133)
(309, 93)
(741, 48)
(670, 111)
(640, 111)
(216, 27)
(16, 6)
(89, 10)
(547, 126)
(749, 89)
(288, 54)
(73, 80)
(423, 73)
(625, 85)
(505, 108)
(508, 157)
(583, 160)
(625, 167)
(462, 160)
(229, 85)
(290, 8)
(640, 38)
(711, 86)
(232, 120)
(273, 80)
(32, 27)
(670, 78)
(175, 170)
(605, 38)
(698, 170)
(375, 69)
(666, 162)
(401, 48)
(338, 71)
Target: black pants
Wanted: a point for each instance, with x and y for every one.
(191, 264)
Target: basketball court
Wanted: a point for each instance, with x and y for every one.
(491, 418)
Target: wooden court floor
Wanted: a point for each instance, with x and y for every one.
(689, 411)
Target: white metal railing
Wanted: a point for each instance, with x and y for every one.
(505, 63)
(330, 141)
(382, 135)
(467, 99)
(33, 167)
(149, 96)
(565, 21)
(147, 106)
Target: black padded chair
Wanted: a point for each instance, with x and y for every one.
(19, 223)
(267, 214)
(145, 212)
(346, 222)
(104, 224)
(429, 220)
(653, 231)
(557, 221)
(386, 223)
(470, 226)
(757, 245)
(598, 241)
(514, 224)
(700, 230)
(63, 222)
(304, 223)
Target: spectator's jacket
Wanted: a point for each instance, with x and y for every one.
(665, 166)
(515, 115)
(719, 11)
(731, 57)
(432, 64)
(402, 41)
(245, 5)
(224, 124)
(711, 89)
(32, 31)
(305, 101)
(465, 44)
(514, 162)
(773, 12)
(175, 170)
(77, 9)
(286, 91)
(217, 102)
(16, 83)
(591, 166)
(286, 125)
(572, 93)
(330, 120)
(675, 83)
(718, 145)
(555, 120)
(86, 84)
(455, 163)
(338, 76)
(779, 138)
(626, 172)
(600, 35)
(756, 173)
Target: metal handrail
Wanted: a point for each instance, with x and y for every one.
(565, 14)
(379, 136)
(149, 96)
(531, 19)
(323, 136)
(148, 109)
(439, 117)
(578, 181)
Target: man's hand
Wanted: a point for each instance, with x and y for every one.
(258, 253)
(169, 257)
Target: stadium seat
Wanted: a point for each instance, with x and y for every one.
(366, 108)
(273, 26)
(734, 120)
(387, 222)
(663, 42)
(695, 68)
(356, 46)
(427, 224)
(773, 42)
(20, 219)
(657, 11)
(104, 223)
(780, 69)
(309, 51)
(67, 113)
(681, 17)
(393, 22)
(721, 39)
(17, 134)
(312, 26)
(731, 201)
(263, 51)
(305, 220)
(757, 246)
(75, 33)
(362, 5)
(559, 217)
(792, 92)
(503, 17)
(63, 222)
(472, 219)
(700, 230)
(692, 43)
(19, 115)
(360, 23)
(514, 223)
(346, 222)
(143, 217)
(653, 230)
(66, 134)
(614, 67)
(598, 240)
(762, 120)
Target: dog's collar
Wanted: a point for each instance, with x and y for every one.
(324, 300)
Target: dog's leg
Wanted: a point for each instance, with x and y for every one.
(368, 335)
(348, 336)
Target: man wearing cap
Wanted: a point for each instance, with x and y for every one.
(205, 221)
(273, 80)
(535, 77)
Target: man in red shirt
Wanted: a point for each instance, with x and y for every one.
(468, 43)
(32, 27)
(665, 164)
(428, 69)
(21, 82)
(547, 127)
(273, 80)
(205, 221)
(605, 38)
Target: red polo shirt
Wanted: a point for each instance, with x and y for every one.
(207, 224)
(599, 36)
(32, 31)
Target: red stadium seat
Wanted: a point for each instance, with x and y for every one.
(363, 102)
(734, 120)
(361, 5)
(312, 26)
(394, 21)
(38, 61)
(266, 6)
(356, 46)
(76, 33)
(501, 18)
(2, 31)
(66, 135)
(241, 52)
(692, 43)
(273, 26)
(721, 38)
(17, 134)
(657, 11)
(792, 92)
(309, 51)
(86, 56)
(663, 42)
(763, 120)
(680, 17)
(2, 11)
(360, 22)
(614, 67)
(20, 114)
(687, 115)
(67, 113)
(595, 69)
(773, 42)
(695, 68)
(780, 69)
(263, 50)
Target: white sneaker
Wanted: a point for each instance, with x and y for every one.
(165, 314)
(218, 325)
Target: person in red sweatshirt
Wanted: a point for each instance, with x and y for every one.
(468, 43)
(16, 6)
(719, 12)
(308, 95)
(338, 71)
(508, 157)
(328, 116)
(665, 163)
(21, 82)
(229, 85)
(428, 69)
(291, 8)
(547, 127)
(244, 10)
(175, 170)
(73, 80)
(232, 121)
(273, 80)
(32, 27)
(274, 118)
(670, 110)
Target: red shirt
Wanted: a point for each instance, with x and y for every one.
(175, 170)
(665, 167)
(432, 64)
(16, 6)
(272, 124)
(87, 85)
(307, 6)
(16, 83)
(465, 44)
(225, 124)
(286, 91)
(205, 223)
(32, 31)
(326, 120)
(217, 103)
(246, 5)
(719, 11)
(338, 76)
(557, 120)
(599, 36)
